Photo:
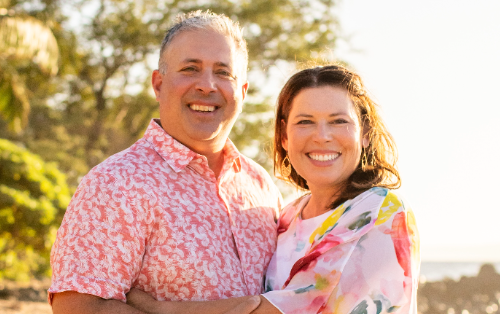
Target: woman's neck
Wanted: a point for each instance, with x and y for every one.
(320, 202)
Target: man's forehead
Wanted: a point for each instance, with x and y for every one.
(205, 47)
(212, 41)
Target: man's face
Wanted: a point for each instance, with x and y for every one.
(201, 92)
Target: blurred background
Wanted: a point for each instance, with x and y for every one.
(75, 89)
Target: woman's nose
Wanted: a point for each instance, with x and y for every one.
(323, 132)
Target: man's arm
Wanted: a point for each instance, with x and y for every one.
(71, 302)
(143, 301)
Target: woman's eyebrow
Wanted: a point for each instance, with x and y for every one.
(305, 115)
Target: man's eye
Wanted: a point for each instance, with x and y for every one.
(224, 73)
(188, 69)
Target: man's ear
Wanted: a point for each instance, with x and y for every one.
(244, 89)
(156, 81)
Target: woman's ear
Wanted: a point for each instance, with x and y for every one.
(366, 136)
(284, 137)
(366, 141)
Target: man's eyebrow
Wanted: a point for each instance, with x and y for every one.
(227, 66)
(222, 64)
(192, 61)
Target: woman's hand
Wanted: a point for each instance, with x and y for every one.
(141, 301)
(146, 303)
(246, 307)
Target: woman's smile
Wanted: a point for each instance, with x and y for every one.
(322, 159)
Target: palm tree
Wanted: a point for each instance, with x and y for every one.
(23, 40)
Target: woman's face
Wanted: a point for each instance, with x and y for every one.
(323, 136)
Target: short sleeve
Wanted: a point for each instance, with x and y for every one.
(101, 241)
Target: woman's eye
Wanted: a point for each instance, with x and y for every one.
(304, 122)
(340, 121)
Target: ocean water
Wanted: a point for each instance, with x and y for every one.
(435, 271)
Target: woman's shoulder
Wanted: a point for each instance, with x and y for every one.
(384, 196)
(393, 204)
(377, 204)
(290, 211)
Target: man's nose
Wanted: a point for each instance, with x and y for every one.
(206, 82)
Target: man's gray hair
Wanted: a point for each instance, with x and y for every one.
(209, 21)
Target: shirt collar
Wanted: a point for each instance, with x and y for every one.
(231, 156)
(175, 154)
(179, 156)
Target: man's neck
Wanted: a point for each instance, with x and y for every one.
(215, 162)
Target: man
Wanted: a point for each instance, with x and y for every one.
(180, 214)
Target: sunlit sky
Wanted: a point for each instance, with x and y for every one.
(434, 67)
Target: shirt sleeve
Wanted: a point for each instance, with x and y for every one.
(101, 241)
(377, 273)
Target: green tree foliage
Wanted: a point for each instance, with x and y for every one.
(101, 100)
(33, 198)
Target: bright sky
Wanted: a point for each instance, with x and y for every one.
(434, 67)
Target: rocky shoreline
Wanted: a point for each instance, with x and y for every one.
(469, 295)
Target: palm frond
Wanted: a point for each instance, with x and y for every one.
(26, 38)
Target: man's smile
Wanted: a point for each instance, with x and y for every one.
(202, 108)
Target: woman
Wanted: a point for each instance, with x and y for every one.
(350, 245)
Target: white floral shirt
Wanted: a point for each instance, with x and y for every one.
(155, 217)
(361, 258)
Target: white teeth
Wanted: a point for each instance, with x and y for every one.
(323, 157)
(202, 108)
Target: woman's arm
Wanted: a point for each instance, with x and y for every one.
(243, 305)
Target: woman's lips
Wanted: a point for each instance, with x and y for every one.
(323, 156)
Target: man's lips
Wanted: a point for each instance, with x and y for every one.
(202, 108)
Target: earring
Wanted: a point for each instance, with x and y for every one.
(364, 160)
(286, 170)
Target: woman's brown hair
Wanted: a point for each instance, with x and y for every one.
(377, 165)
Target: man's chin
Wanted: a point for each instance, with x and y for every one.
(207, 136)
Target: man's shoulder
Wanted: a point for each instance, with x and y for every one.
(254, 169)
(138, 157)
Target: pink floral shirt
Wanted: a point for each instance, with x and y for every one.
(155, 217)
(362, 257)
